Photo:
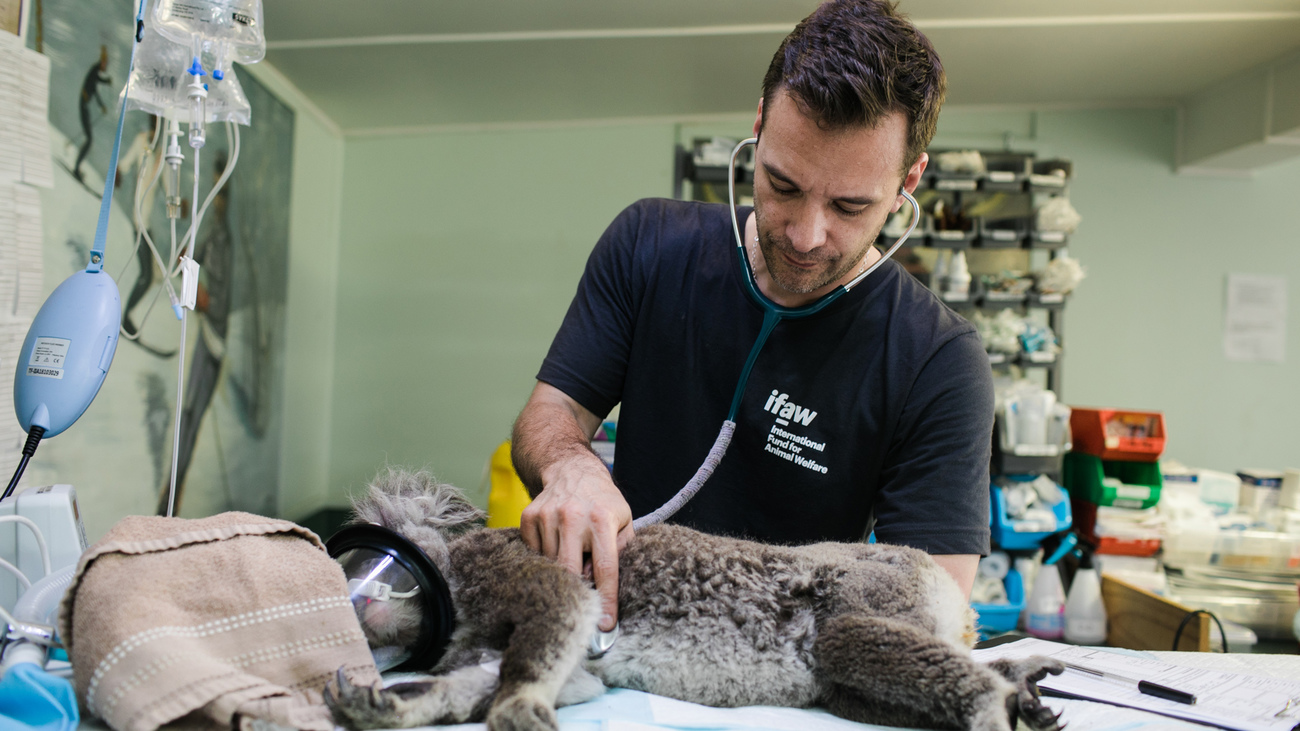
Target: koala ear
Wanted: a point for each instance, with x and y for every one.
(405, 501)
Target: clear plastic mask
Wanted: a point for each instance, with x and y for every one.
(388, 603)
(401, 599)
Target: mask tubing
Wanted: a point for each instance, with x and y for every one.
(684, 495)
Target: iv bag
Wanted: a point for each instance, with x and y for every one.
(230, 29)
(159, 84)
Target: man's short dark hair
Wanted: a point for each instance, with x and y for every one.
(853, 62)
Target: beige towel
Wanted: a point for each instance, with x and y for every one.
(226, 620)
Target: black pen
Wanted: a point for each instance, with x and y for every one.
(1144, 686)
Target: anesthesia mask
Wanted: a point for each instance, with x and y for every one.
(400, 597)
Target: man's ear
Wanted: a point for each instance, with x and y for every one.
(913, 178)
(758, 121)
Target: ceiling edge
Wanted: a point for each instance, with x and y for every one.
(570, 34)
(740, 117)
(745, 117)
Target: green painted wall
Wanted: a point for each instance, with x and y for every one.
(460, 251)
(1146, 329)
(309, 316)
(459, 255)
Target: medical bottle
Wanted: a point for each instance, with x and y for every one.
(958, 286)
(1045, 611)
(939, 275)
(1085, 613)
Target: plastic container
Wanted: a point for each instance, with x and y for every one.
(1045, 609)
(1085, 614)
(1270, 616)
(1007, 460)
(994, 619)
(1005, 171)
(1050, 176)
(1006, 233)
(1137, 436)
(1261, 491)
(1241, 550)
(948, 238)
(1219, 490)
(1086, 479)
(942, 180)
(1004, 530)
(957, 285)
(1046, 239)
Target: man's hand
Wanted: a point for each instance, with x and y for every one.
(581, 512)
(577, 510)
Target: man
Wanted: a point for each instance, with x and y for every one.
(876, 412)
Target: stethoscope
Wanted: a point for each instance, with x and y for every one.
(772, 314)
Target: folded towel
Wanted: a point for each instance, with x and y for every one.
(224, 621)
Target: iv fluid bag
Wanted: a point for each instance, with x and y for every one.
(235, 25)
(159, 84)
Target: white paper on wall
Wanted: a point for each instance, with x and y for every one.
(1254, 329)
(24, 162)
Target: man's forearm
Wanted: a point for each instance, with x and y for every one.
(547, 432)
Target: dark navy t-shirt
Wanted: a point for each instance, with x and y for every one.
(877, 410)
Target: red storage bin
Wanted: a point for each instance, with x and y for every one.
(1118, 434)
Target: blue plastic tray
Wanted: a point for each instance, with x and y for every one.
(1005, 535)
(998, 618)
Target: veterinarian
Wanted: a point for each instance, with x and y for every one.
(875, 413)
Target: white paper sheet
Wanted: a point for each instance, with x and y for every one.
(1254, 328)
(1228, 700)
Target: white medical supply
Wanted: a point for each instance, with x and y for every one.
(970, 162)
(1261, 490)
(996, 565)
(1289, 497)
(1061, 275)
(957, 286)
(1045, 611)
(1056, 214)
(1219, 490)
(1085, 614)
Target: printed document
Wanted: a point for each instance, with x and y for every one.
(1228, 700)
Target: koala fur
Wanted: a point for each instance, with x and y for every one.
(873, 633)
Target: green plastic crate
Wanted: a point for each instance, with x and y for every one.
(1084, 476)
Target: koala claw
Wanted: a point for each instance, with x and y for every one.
(358, 706)
(1025, 702)
(522, 714)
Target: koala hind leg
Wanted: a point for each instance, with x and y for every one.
(886, 671)
(543, 653)
(457, 697)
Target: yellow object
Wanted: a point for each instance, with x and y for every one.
(507, 496)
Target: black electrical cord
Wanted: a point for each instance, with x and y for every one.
(1188, 617)
(33, 438)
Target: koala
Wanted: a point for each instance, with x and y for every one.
(873, 633)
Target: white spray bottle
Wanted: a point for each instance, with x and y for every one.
(1045, 610)
(1085, 614)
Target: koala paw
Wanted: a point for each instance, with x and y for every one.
(1025, 703)
(522, 713)
(365, 707)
